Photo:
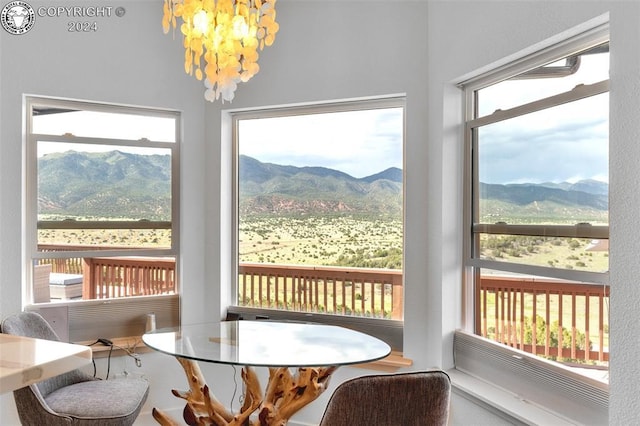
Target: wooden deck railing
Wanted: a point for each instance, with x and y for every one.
(111, 277)
(67, 265)
(108, 277)
(558, 320)
(346, 291)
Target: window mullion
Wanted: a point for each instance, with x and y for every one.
(581, 91)
(584, 277)
(69, 138)
(103, 224)
(575, 231)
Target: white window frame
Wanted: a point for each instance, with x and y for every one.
(85, 319)
(388, 330)
(546, 384)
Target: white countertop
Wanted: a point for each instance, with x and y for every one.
(24, 360)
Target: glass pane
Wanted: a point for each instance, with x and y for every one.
(547, 167)
(320, 212)
(554, 252)
(86, 182)
(560, 76)
(56, 121)
(335, 177)
(560, 320)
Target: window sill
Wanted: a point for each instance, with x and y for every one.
(390, 364)
(121, 347)
(534, 381)
(501, 402)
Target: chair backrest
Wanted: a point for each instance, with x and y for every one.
(404, 399)
(32, 324)
(29, 324)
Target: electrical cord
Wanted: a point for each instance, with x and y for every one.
(131, 353)
(107, 342)
(235, 386)
(93, 361)
(109, 362)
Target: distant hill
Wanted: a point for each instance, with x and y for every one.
(107, 184)
(392, 174)
(578, 194)
(273, 188)
(586, 185)
(584, 201)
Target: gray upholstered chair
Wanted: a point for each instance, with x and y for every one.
(403, 399)
(73, 398)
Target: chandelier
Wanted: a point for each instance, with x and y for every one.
(228, 33)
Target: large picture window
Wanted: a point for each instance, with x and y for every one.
(320, 212)
(101, 203)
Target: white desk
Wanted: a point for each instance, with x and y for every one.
(24, 360)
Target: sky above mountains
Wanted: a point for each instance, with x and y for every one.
(566, 143)
(360, 143)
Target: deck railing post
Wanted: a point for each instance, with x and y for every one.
(397, 298)
(88, 279)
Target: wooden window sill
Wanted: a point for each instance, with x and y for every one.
(390, 364)
(121, 345)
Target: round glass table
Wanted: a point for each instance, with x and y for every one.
(314, 351)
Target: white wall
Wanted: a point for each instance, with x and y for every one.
(329, 50)
(625, 203)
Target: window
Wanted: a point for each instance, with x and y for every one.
(101, 203)
(320, 214)
(536, 140)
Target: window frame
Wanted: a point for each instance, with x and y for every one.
(469, 88)
(93, 309)
(388, 330)
(542, 382)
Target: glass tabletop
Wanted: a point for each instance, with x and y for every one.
(268, 344)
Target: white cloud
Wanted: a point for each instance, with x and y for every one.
(360, 143)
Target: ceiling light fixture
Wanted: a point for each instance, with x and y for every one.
(228, 33)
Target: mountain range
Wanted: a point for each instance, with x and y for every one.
(584, 193)
(272, 188)
(105, 184)
(114, 183)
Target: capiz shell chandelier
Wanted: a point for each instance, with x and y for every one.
(228, 33)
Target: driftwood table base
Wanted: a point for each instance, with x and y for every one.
(284, 395)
